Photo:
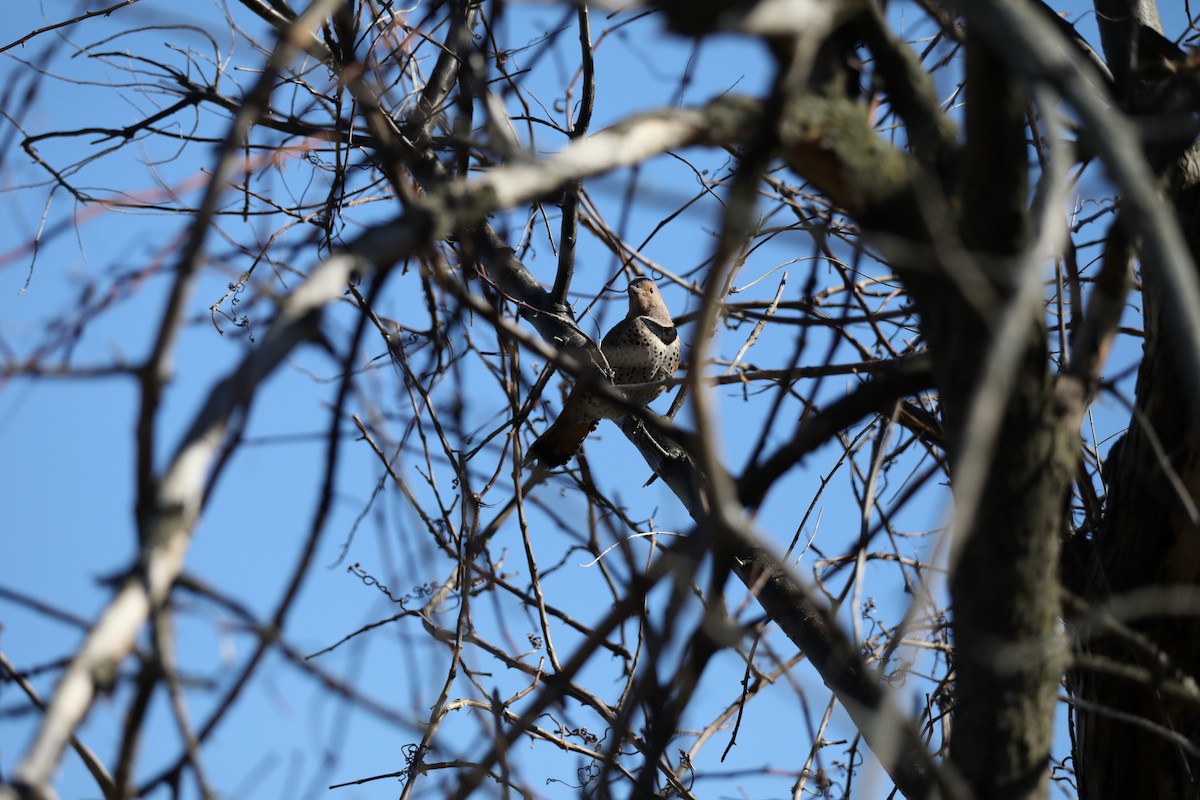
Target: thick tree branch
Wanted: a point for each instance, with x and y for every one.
(1037, 53)
(877, 394)
(811, 626)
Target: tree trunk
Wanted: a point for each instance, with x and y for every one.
(1003, 579)
(1136, 736)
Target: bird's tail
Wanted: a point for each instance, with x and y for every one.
(560, 442)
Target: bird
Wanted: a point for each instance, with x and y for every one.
(642, 348)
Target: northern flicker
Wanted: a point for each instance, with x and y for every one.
(641, 348)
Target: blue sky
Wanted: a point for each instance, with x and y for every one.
(67, 475)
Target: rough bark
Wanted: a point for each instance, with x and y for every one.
(1133, 736)
(1003, 581)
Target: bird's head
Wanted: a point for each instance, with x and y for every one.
(646, 301)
